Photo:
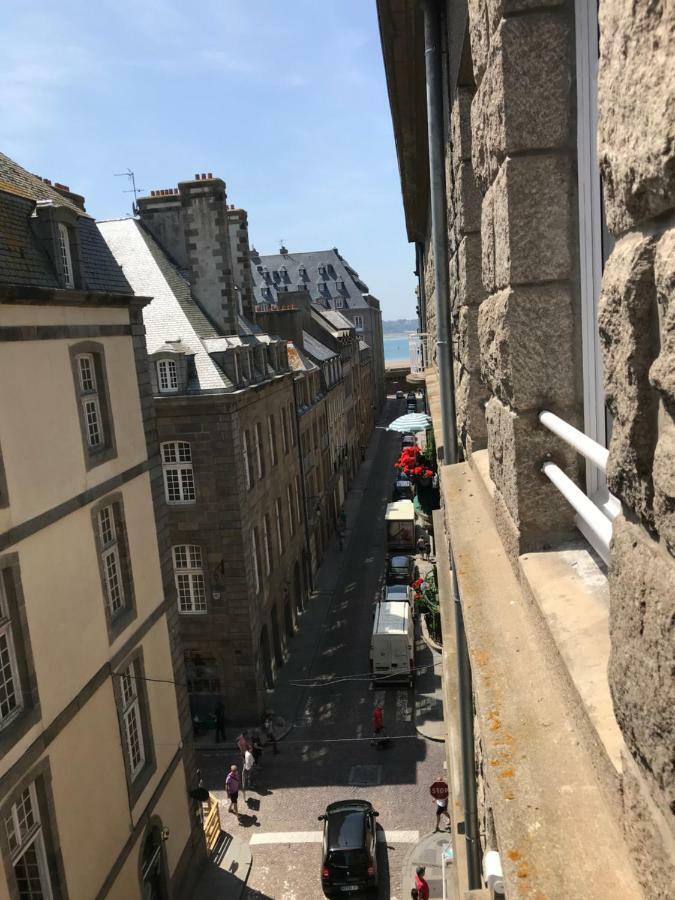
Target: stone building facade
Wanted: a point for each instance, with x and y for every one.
(95, 754)
(225, 404)
(559, 187)
(333, 285)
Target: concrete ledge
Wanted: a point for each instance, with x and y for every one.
(558, 835)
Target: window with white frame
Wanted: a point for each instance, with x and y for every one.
(111, 565)
(189, 577)
(131, 719)
(290, 422)
(297, 499)
(284, 429)
(11, 702)
(358, 323)
(256, 560)
(26, 841)
(179, 484)
(289, 499)
(66, 259)
(167, 376)
(259, 457)
(595, 245)
(280, 536)
(273, 439)
(90, 400)
(267, 545)
(247, 460)
(339, 303)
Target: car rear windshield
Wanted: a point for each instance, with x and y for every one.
(399, 562)
(347, 859)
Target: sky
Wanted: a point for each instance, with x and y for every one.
(286, 102)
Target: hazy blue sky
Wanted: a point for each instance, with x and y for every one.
(284, 100)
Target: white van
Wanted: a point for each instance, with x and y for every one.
(392, 645)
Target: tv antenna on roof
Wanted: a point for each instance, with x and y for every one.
(133, 190)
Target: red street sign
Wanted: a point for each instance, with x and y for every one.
(439, 790)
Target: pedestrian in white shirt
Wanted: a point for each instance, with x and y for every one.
(247, 772)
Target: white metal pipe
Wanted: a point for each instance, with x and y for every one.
(584, 445)
(588, 512)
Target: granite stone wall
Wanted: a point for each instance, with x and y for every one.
(636, 140)
(516, 302)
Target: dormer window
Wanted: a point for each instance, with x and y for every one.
(322, 270)
(323, 287)
(66, 259)
(302, 272)
(338, 303)
(167, 376)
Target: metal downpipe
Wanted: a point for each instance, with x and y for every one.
(439, 226)
(473, 850)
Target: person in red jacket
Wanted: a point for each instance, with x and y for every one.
(421, 883)
(378, 719)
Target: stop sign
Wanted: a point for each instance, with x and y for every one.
(439, 790)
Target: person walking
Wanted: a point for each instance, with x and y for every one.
(243, 743)
(378, 724)
(268, 726)
(442, 810)
(421, 545)
(232, 784)
(257, 749)
(421, 883)
(220, 721)
(247, 772)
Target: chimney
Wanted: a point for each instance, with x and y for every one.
(205, 224)
(65, 191)
(162, 215)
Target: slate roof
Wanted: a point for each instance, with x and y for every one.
(23, 261)
(300, 271)
(316, 349)
(298, 359)
(337, 319)
(173, 313)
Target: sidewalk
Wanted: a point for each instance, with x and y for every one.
(224, 876)
(429, 853)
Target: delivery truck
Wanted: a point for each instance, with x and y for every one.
(392, 644)
(400, 521)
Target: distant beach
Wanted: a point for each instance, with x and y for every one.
(396, 348)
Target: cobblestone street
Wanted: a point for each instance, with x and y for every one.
(327, 755)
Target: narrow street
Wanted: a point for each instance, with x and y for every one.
(324, 691)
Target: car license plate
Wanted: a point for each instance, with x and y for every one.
(349, 887)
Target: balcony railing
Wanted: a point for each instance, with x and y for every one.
(594, 517)
(420, 356)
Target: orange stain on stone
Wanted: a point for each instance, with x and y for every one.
(507, 773)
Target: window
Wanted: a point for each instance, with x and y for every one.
(237, 373)
(339, 303)
(110, 560)
(280, 540)
(189, 576)
(11, 701)
(167, 376)
(25, 837)
(66, 260)
(89, 399)
(291, 520)
(358, 323)
(297, 499)
(259, 453)
(93, 402)
(131, 720)
(202, 672)
(179, 482)
(267, 545)
(273, 440)
(284, 429)
(247, 460)
(256, 561)
(290, 413)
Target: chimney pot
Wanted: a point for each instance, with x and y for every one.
(46, 181)
(210, 175)
(196, 177)
(152, 193)
(203, 176)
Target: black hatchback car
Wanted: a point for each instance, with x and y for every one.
(349, 861)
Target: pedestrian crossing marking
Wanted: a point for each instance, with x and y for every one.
(316, 837)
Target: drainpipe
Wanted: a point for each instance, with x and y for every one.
(439, 226)
(308, 552)
(465, 688)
